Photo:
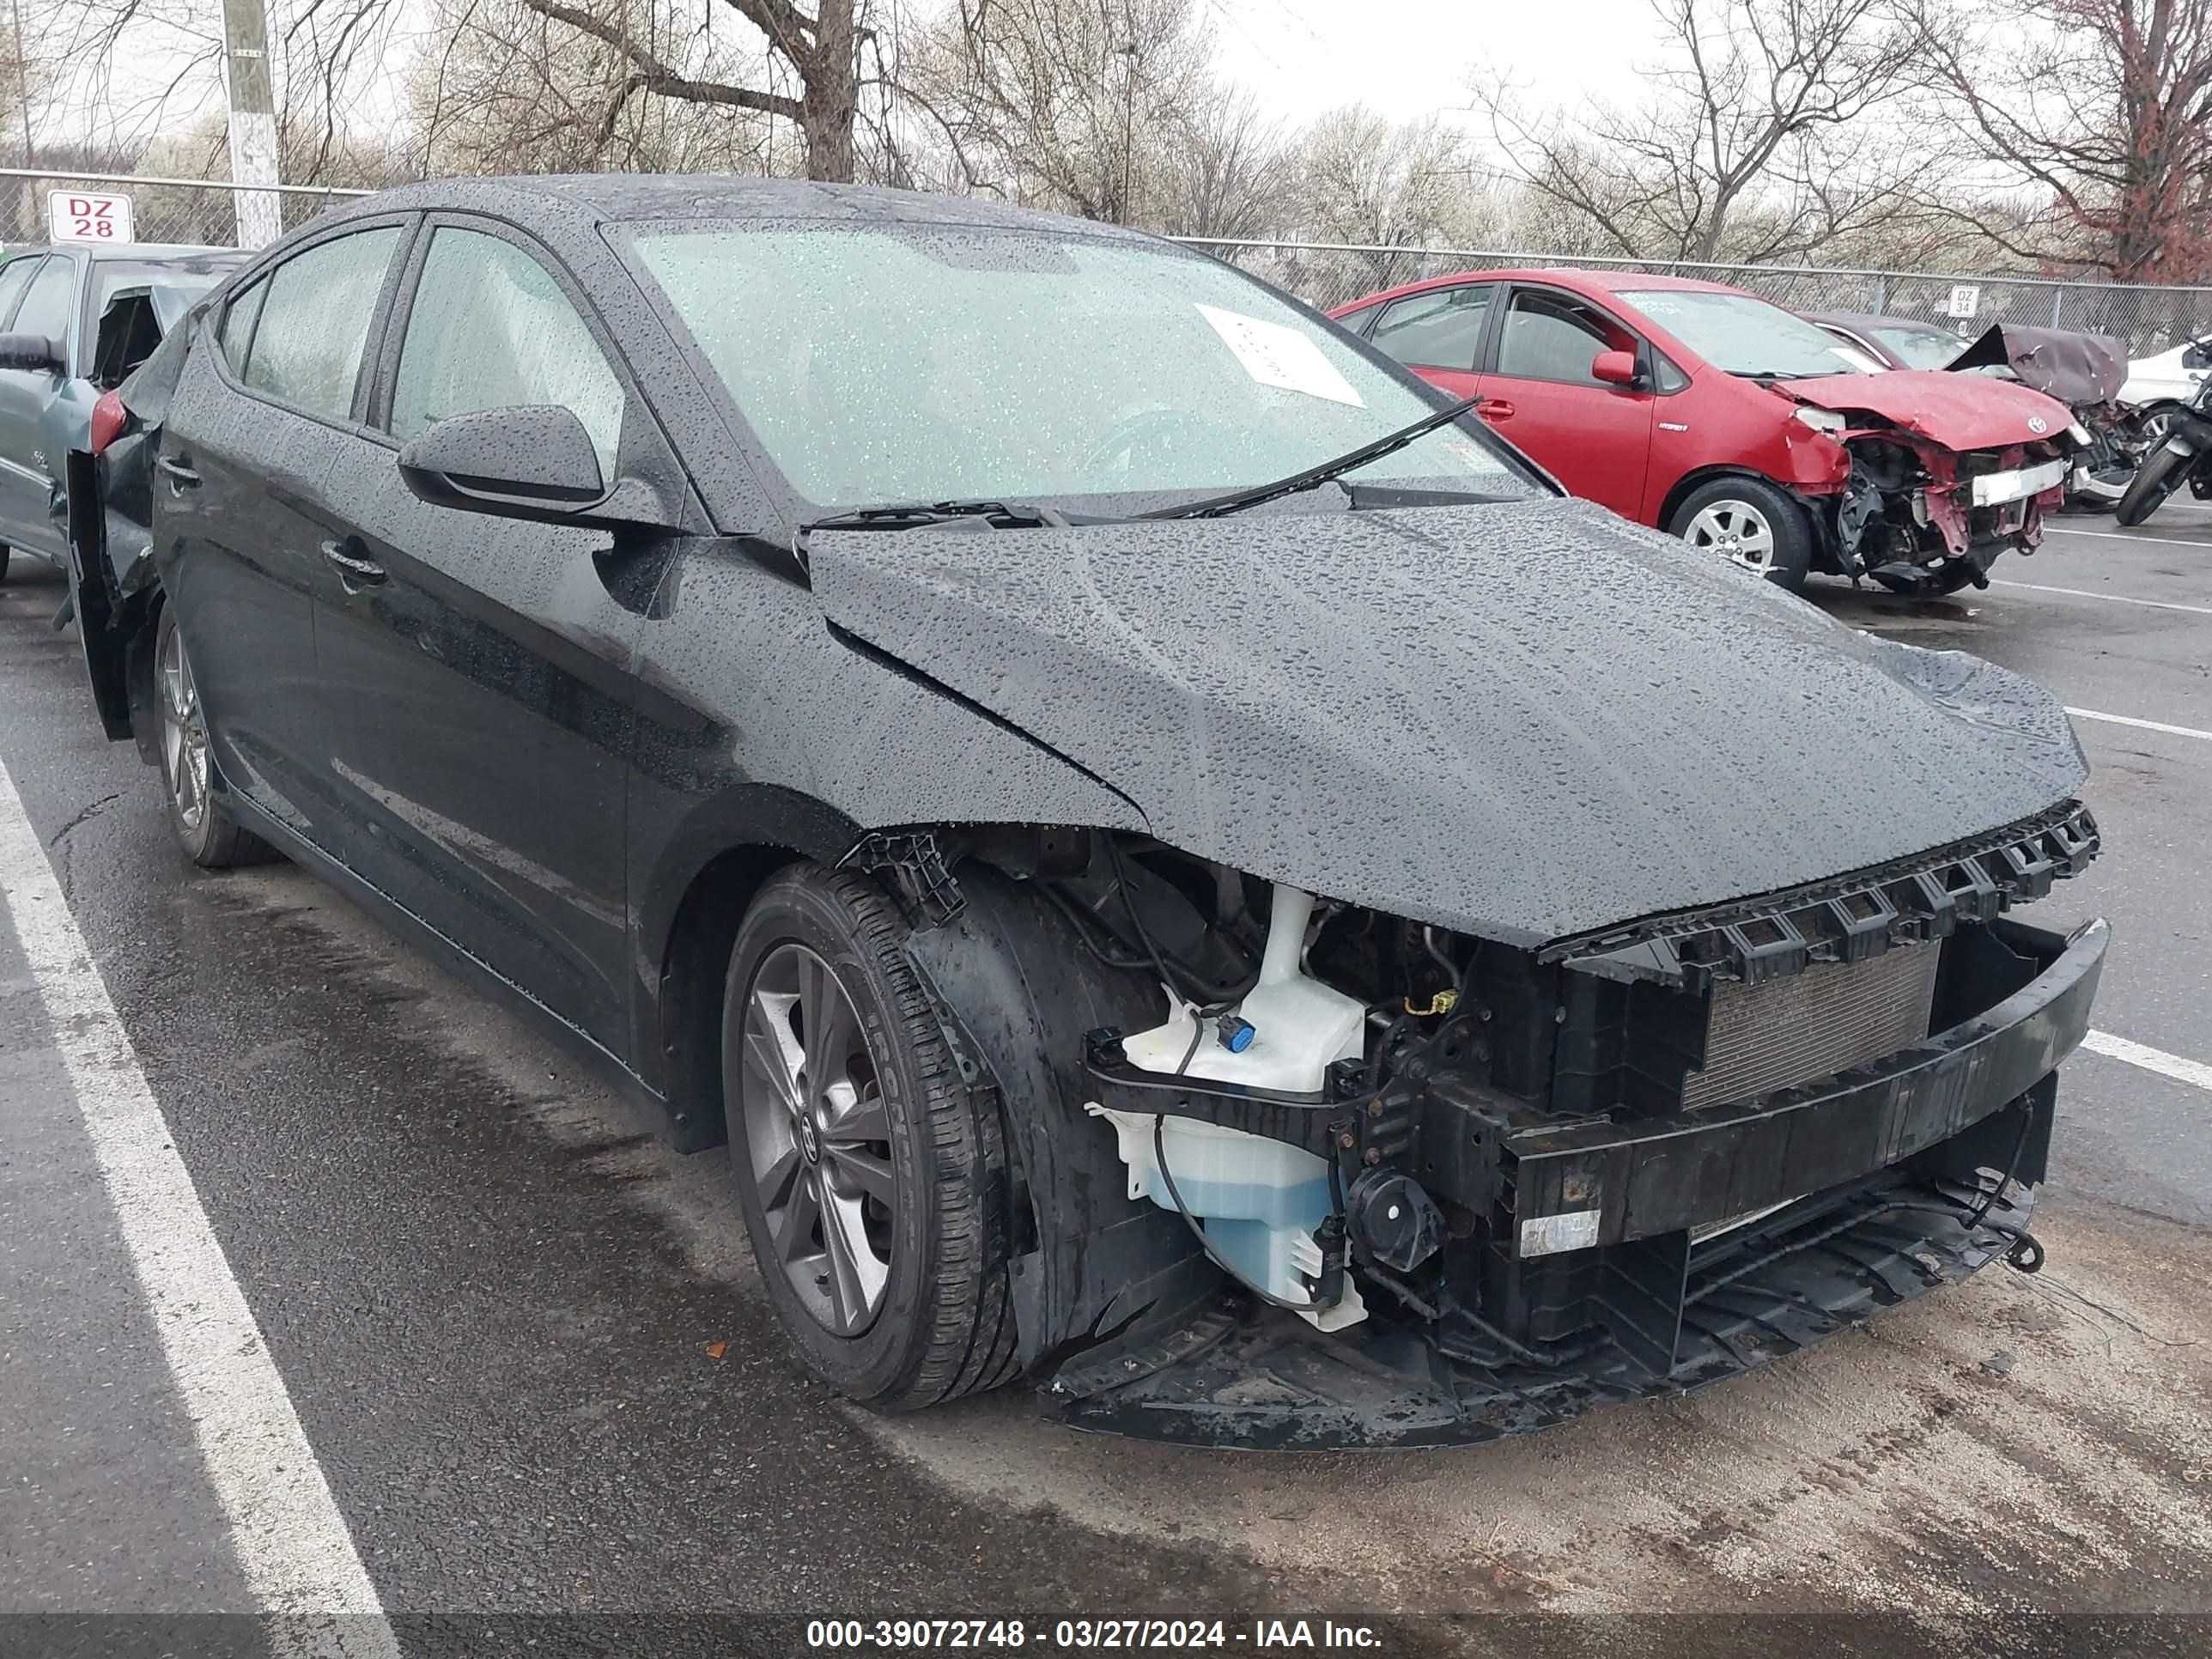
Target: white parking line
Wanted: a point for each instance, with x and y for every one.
(2114, 598)
(291, 1545)
(2194, 1071)
(2118, 536)
(2147, 725)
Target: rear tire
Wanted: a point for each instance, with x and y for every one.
(846, 1108)
(205, 827)
(1751, 523)
(2157, 477)
(4, 553)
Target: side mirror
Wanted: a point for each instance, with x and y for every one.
(1616, 368)
(41, 354)
(533, 461)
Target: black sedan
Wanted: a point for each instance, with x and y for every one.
(1178, 864)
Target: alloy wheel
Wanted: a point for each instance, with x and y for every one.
(818, 1140)
(183, 732)
(1738, 531)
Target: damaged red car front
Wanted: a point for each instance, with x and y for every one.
(1942, 474)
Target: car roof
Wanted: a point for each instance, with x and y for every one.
(159, 253)
(1863, 321)
(1574, 278)
(150, 252)
(587, 199)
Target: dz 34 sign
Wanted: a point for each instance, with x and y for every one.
(88, 216)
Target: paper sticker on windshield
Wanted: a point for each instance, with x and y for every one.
(1275, 355)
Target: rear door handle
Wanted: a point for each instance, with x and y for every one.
(355, 572)
(181, 476)
(1494, 409)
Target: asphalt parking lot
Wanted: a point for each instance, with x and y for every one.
(527, 1369)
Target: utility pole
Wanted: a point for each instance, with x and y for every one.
(1128, 125)
(252, 121)
(23, 83)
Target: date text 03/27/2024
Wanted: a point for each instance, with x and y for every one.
(1260, 1635)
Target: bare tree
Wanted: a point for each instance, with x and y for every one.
(500, 89)
(336, 57)
(2104, 123)
(131, 70)
(1761, 138)
(823, 50)
(1229, 173)
(1074, 103)
(1367, 180)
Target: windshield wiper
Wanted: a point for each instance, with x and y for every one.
(1314, 477)
(907, 515)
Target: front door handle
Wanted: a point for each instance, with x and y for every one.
(1494, 409)
(181, 476)
(355, 572)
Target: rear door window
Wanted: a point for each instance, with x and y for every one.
(238, 326)
(490, 328)
(307, 347)
(15, 277)
(46, 301)
(1441, 329)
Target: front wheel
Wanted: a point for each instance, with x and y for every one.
(204, 828)
(2157, 477)
(872, 1177)
(1750, 523)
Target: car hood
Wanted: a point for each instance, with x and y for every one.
(2072, 368)
(1523, 720)
(1959, 412)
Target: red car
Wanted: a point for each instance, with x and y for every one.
(1713, 415)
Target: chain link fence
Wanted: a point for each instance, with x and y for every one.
(188, 211)
(2146, 318)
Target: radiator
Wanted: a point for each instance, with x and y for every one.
(1830, 1017)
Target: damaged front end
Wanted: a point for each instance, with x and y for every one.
(1945, 473)
(1918, 518)
(2084, 371)
(1370, 1183)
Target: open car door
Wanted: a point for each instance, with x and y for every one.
(110, 500)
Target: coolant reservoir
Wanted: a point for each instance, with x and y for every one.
(1260, 1199)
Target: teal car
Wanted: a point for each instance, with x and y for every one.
(74, 319)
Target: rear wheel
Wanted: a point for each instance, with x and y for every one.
(206, 830)
(2157, 477)
(873, 1177)
(2158, 420)
(1750, 523)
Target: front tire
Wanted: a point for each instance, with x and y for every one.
(204, 828)
(2157, 477)
(1750, 523)
(873, 1177)
(6, 552)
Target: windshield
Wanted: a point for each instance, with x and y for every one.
(898, 362)
(1919, 345)
(1742, 335)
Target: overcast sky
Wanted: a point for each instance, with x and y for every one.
(1407, 58)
